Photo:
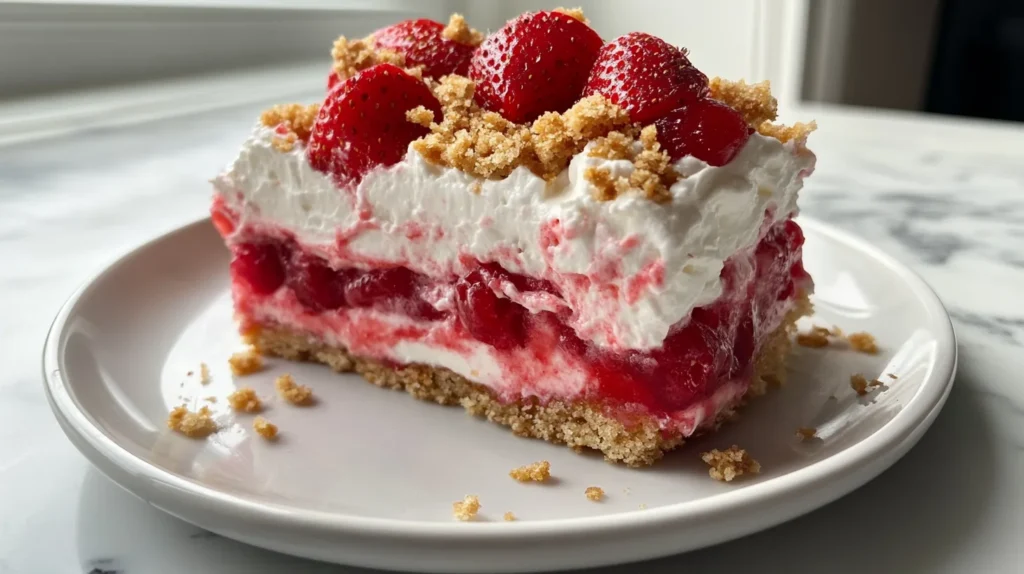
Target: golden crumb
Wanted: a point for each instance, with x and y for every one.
(594, 493)
(876, 383)
(191, 424)
(728, 464)
(204, 373)
(859, 384)
(576, 13)
(509, 517)
(265, 428)
(245, 363)
(466, 508)
(816, 338)
(806, 433)
(652, 168)
(835, 331)
(459, 31)
(797, 132)
(891, 376)
(210, 399)
(536, 472)
(486, 145)
(615, 145)
(353, 56)
(863, 343)
(245, 400)
(293, 393)
(753, 101)
(420, 115)
(295, 120)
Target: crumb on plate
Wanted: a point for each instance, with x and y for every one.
(509, 517)
(863, 343)
(204, 373)
(816, 338)
(246, 362)
(859, 384)
(467, 508)
(245, 400)
(536, 472)
(191, 424)
(293, 393)
(265, 428)
(594, 493)
(726, 465)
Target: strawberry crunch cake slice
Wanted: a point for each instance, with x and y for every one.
(586, 241)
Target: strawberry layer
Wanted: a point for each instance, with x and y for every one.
(510, 332)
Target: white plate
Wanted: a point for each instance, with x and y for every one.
(367, 476)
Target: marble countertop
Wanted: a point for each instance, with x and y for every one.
(944, 196)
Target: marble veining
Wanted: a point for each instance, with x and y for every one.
(954, 213)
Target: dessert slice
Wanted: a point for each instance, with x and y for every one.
(588, 242)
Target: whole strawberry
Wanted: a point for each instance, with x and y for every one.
(362, 122)
(706, 129)
(646, 76)
(422, 43)
(539, 62)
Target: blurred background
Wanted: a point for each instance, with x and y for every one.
(957, 57)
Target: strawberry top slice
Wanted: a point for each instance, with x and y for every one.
(539, 62)
(646, 76)
(362, 122)
(422, 44)
(706, 129)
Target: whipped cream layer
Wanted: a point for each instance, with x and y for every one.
(627, 269)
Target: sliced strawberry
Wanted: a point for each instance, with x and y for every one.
(422, 44)
(646, 76)
(539, 62)
(362, 122)
(706, 129)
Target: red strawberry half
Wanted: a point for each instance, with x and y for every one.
(646, 76)
(422, 44)
(706, 129)
(539, 62)
(362, 122)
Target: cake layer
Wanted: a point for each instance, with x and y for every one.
(626, 270)
(577, 422)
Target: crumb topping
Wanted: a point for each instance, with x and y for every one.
(246, 363)
(204, 374)
(295, 122)
(816, 338)
(293, 393)
(726, 465)
(797, 132)
(536, 472)
(576, 13)
(459, 31)
(486, 145)
(859, 384)
(420, 115)
(806, 433)
(509, 517)
(863, 343)
(594, 493)
(197, 424)
(753, 101)
(467, 508)
(265, 428)
(245, 400)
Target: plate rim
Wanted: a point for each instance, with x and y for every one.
(908, 424)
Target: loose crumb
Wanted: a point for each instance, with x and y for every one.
(246, 363)
(642, 506)
(863, 343)
(466, 508)
(576, 13)
(210, 399)
(595, 493)
(509, 517)
(204, 374)
(459, 31)
(191, 424)
(816, 338)
(806, 433)
(293, 393)
(536, 472)
(189, 374)
(245, 400)
(835, 331)
(876, 383)
(265, 428)
(727, 465)
(859, 384)
(891, 376)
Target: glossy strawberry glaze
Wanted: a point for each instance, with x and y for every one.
(397, 316)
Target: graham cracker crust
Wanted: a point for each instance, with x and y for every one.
(577, 424)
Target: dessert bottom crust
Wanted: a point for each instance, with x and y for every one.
(578, 424)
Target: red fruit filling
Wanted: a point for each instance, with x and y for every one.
(717, 343)
(538, 62)
(706, 129)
